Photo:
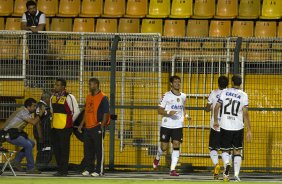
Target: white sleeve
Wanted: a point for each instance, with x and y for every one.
(73, 105)
(210, 98)
(246, 101)
(42, 19)
(163, 102)
(24, 18)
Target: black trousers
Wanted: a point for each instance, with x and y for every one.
(93, 149)
(61, 146)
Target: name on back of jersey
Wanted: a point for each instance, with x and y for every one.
(233, 95)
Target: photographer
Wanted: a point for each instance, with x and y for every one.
(42, 131)
(14, 125)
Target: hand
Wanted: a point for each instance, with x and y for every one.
(249, 136)
(171, 113)
(216, 125)
(79, 129)
(188, 118)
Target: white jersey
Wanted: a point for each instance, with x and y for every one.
(213, 98)
(172, 102)
(232, 103)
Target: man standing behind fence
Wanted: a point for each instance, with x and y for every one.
(171, 108)
(96, 117)
(234, 105)
(65, 110)
(34, 20)
(214, 138)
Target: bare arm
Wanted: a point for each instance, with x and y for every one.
(208, 107)
(40, 27)
(247, 122)
(81, 124)
(24, 26)
(162, 111)
(35, 120)
(215, 115)
(105, 119)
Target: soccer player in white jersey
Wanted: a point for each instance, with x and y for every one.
(215, 134)
(171, 108)
(234, 105)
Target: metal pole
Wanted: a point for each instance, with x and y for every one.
(113, 101)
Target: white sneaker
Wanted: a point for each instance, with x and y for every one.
(94, 174)
(85, 173)
(237, 179)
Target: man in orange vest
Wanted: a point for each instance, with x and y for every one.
(96, 117)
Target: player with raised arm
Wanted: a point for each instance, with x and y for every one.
(234, 105)
(214, 145)
(171, 108)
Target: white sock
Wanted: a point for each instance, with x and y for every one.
(159, 153)
(174, 159)
(214, 157)
(225, 158)
(237, 164)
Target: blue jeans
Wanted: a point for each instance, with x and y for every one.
(27, 145)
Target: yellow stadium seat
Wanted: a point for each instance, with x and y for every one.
(197, 28)
(72, 50)
(69, 8)
(181, 9)
(8, 48)
(159, 8)
(174, 27)
(243, 29)
(136, 8)
(14, 88)
(61, 24)
(114, 8)
(129, 25)
(13, 23)
(265, 29)
(98, 53)
(226, 9)
(91, 8)
(249, 9)
(106, 26)
(2, 26)
(152, 26)
(271, 9)
(220, 28)
(279, 32)
(204, 9)
(47, 26)
(49, 7)
(6, 7)
(19, 7)
(84, 25)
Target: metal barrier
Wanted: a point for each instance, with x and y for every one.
(144, 63)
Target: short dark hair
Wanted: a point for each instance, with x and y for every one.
(30, 3)
(174, 77)
(237, 80)
(63, 81)
(94, 80)
(28, 102)
(222, 82)
(46, 95)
